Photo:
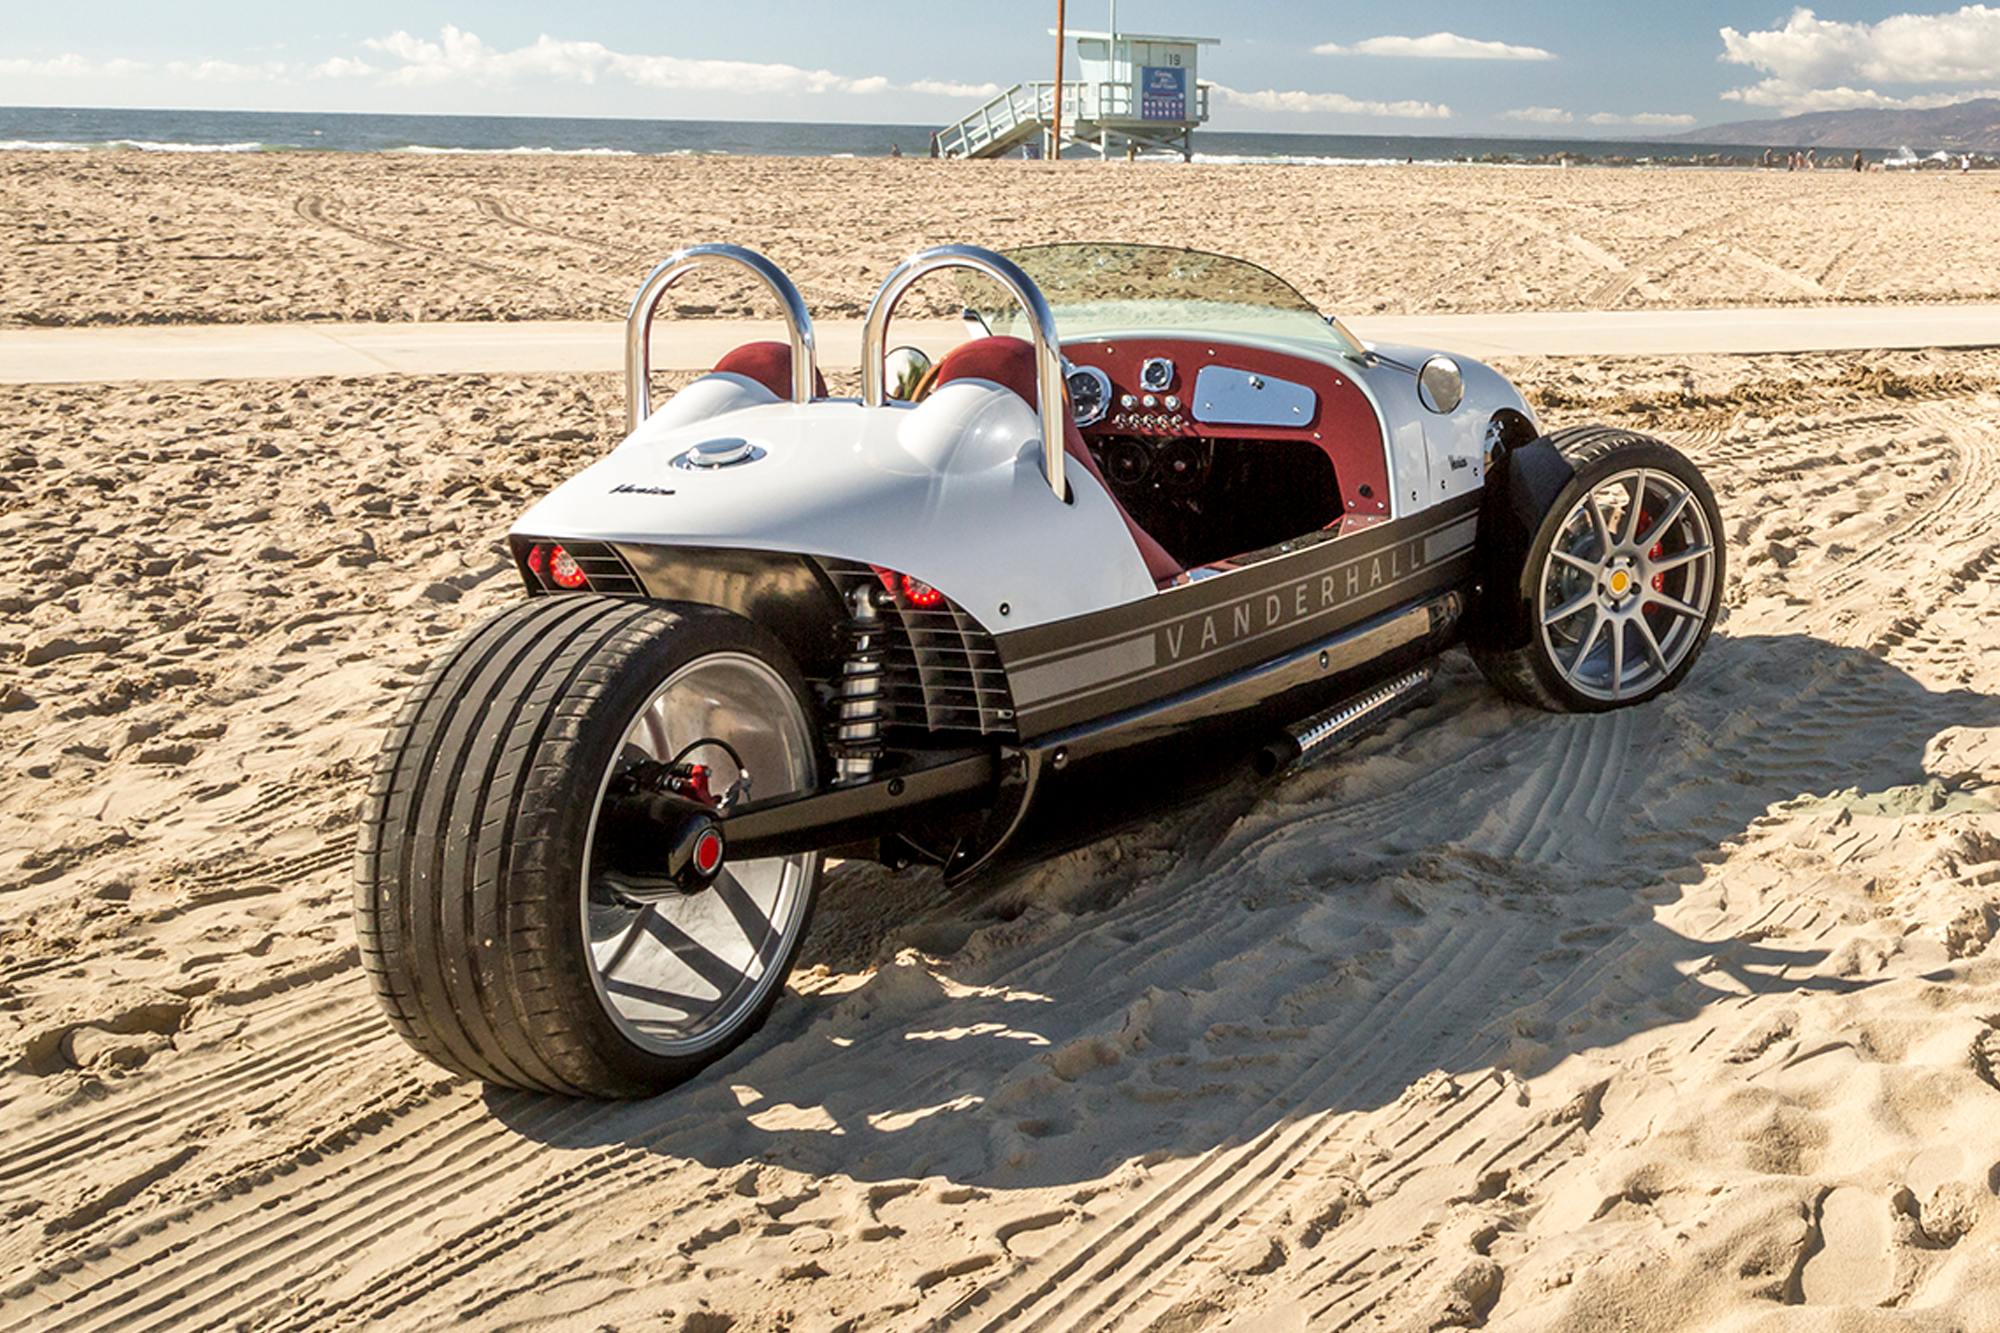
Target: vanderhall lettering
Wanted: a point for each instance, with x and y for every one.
(1254, 617)
(1135, 654)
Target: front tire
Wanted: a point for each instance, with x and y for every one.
(496, 938)
(1622, 582)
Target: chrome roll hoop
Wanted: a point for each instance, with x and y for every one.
(639, 323)
(1041, 322)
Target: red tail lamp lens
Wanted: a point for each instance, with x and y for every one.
(565, 571)
(918, 594)
(538, 560)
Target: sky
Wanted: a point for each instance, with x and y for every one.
(1452, 67)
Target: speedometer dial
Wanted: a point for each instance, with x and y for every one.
(1089, 394)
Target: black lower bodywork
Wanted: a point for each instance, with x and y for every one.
(1188, 682)
(977, 731)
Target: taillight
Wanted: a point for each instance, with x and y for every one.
(921, 594)
(564, 570)
(538, 560)
(914, 591)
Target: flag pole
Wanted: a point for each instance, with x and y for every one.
(1055, 140)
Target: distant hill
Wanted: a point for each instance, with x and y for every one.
(1972, 127)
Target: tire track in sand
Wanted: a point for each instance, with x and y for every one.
(306, 1214)
(496, 211)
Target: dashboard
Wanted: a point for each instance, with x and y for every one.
(1221, 450)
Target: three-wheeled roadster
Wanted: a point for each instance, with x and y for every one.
(1157, 505)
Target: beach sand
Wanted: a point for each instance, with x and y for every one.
(1685, 1017)
(135, 238)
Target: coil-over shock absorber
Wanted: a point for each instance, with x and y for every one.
(857, 735)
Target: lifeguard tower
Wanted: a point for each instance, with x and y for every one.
(1132, 90)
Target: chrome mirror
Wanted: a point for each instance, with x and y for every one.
(1440, 384)
(903, 371)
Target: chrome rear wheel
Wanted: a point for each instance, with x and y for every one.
(500, 937)
(679, 973)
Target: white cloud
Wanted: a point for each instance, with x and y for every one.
(69, 67)
(1795, 101)
(941, 89)
(1337, 103)
(1437, 46)
(1816, 65)
(461, 57)
(341, 67)
(1539, 115)
(224, 71)
(1658, 119)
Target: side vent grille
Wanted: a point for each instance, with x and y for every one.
(943, 672)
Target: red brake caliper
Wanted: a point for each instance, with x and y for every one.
(691, 781)
(1659, 580)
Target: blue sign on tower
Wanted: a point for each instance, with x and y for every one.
(1162, 93)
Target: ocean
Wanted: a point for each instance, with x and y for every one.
(73, 128)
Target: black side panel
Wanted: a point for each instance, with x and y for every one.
(1089, 667)
(786, 594)
(1512, 510)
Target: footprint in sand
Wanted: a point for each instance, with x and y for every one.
(1854, 1265)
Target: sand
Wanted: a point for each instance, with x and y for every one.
(1683, 1017)
(132, 238)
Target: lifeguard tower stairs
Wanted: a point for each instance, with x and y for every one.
(1131, 91)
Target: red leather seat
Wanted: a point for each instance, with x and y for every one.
(1010, 363)
(770, 364)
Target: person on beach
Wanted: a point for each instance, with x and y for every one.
(1857, 159)
(934, 143)
(895, 150)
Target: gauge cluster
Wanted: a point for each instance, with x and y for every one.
(1089, 394)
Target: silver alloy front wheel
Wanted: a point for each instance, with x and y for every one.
(679, 973)
(1621, 583)
(1625, 594)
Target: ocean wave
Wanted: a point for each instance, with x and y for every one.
(1293, 160)
(141, 145)
(522, 151)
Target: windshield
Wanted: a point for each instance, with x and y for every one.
(1096, 289)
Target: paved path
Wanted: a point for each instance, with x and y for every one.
(1679, 332)
(287, 351)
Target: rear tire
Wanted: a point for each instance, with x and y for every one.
(1622, 582)
(496, 946)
